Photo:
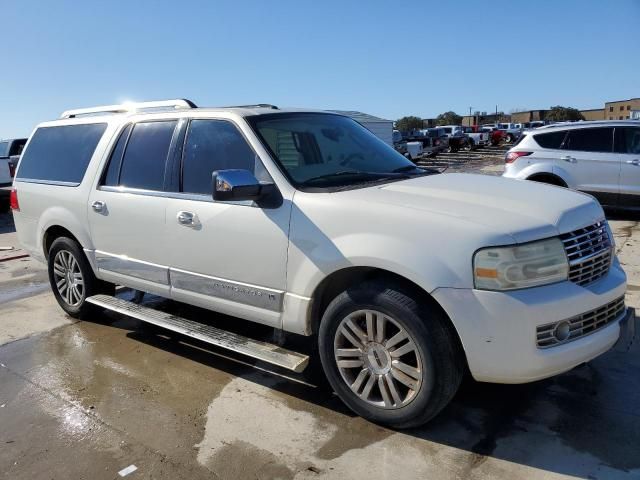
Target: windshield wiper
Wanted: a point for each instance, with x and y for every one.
(343, 173)
(420, 170)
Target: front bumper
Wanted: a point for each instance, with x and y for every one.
(498, 329)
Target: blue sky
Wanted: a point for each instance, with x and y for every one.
(385, 58)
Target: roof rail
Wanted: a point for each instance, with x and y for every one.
(129, 107)
(260, 105)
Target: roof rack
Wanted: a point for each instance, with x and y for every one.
(130, 107)
(259, 105)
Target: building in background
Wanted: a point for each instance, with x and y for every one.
(380, 127)
(529, 116)
(481, 118)
(620, 109)
(593, 114)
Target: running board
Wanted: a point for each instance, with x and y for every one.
(263, 351)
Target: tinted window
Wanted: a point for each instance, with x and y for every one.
(551, 139)
(16, 147)
(112, 175)
(628, 140)
(590, 140)
(144, 159)
(60, 154)
(213, 145)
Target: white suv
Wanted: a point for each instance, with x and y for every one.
(600, 158)
(307, 222)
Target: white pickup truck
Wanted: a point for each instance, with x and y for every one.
(307, 222)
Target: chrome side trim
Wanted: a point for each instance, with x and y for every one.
(124, 265)
(244, 293)
(48, 182)
(175, 195)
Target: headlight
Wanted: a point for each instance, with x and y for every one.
(520, 266)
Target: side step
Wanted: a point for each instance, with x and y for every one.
(266, 352)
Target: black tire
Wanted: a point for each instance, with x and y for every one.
(440, 357)
(91, 285)
(548, 179)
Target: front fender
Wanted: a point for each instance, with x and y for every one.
(386, 252)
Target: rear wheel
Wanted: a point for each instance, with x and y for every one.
(72, 279)
(390, 357)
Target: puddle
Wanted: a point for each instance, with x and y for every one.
(23, 291)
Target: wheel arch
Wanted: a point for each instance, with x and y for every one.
(53, 232)
(338, 281)
(546, 177)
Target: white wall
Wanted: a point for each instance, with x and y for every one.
(382, 130)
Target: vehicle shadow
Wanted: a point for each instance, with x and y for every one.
(628, 215)
(561, 425)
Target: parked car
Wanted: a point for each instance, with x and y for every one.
(511, 131)
(496, 136)
(428, 144)
(308, 223)
(476, 138)
(439, 139)
(530, 125)
(457, 139)
(601, 158)
(10, 151)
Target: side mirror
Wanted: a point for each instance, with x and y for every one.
(236, 185)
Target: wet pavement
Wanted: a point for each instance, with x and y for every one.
(88, 399)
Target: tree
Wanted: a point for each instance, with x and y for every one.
(406, 124)
(563, 114)
(448, 118)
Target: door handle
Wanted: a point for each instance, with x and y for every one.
(188, 219)
(98, 206)
(569, 159)
(635, 162)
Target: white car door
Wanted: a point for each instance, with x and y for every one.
(231, 256)
(592, 166)
(127, 209)
(628, 149)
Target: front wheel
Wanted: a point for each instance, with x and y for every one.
(389, 356)
(72, 279)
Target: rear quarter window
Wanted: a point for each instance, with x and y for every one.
(551, 139)
(61, 153)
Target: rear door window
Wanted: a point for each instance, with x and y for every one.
(61, 153)
(551, 140)
(590, 140)
(145, 157)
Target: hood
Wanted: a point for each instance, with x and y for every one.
(524, 210)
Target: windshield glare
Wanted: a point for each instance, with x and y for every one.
(326, 150)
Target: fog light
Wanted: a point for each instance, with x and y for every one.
(562, 331)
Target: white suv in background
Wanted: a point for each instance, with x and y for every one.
(307, 222)
(601, 158)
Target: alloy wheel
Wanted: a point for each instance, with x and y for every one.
(378, 359)
(68, 278)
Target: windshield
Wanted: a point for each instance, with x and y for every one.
(324, 150)
(4, 149)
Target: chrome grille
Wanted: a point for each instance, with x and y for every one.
(581, 325)
(589, 251)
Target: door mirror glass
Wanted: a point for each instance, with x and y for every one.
(236, 185)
